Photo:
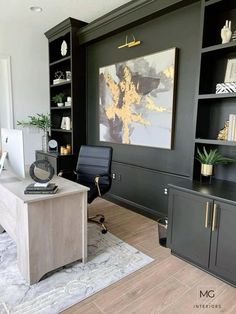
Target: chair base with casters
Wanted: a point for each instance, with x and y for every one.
(94, 171)
(99, 219)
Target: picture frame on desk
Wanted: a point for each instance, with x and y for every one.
(230, 74)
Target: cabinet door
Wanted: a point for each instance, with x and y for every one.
(223, 243)
(189, 226)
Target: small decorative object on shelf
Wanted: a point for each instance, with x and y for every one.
(209, 159)
(234, 36)
(68, 147)
(226, 32)
(65, 123)
(223, 133)
(68, 75)
(59, 99)
(64, 48)
(41, 121)
(224, 88)
(65, 150)
(229, 85)
(231, 135)
(230, 74)
(68, 102)
(59, 78)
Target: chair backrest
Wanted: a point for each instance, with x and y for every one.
(92, 161)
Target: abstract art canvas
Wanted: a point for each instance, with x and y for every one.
(136, 100)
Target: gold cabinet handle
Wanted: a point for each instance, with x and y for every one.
(207, 213)
(214, 218)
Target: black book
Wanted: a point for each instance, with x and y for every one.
(49, 187)
(42, 191)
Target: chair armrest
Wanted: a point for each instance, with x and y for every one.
(97, 178)
(68, 174)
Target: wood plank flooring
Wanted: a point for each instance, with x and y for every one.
(168, 285)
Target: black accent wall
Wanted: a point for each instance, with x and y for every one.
(142, 173)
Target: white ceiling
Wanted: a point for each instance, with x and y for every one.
(54, 11)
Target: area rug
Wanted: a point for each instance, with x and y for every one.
(109, 260)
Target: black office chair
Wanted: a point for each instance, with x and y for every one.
(94, 171)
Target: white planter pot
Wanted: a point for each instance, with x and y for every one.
(206, 170)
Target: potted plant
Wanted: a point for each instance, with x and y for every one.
(41, 121)
(59, 99)
(209, 159)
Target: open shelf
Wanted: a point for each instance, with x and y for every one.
(60, 61)
(216, 96)
(211, 2)
(61, 84)
(61, 130)
(216, 14)
(61, 108)
(228, 47)
(214, 142)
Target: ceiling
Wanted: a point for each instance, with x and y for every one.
(54, 11)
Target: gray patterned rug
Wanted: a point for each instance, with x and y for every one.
(109, 260)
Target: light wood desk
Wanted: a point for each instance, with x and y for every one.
(49, 230)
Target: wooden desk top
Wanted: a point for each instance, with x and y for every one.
(17, 186)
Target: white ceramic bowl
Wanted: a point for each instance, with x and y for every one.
(60, 104)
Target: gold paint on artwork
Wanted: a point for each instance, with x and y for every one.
(169, 72)
(124, 96)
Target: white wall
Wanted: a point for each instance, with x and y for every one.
(6, 112)
(28, 48)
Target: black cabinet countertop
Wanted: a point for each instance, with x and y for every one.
(219, 189)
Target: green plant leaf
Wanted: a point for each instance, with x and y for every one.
(213, 157)
(41, 121)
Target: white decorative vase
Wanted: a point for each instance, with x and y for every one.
(206, 170)
(45, 139)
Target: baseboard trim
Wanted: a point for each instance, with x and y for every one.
(150, 213)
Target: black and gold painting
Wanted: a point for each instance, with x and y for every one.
(136, 100)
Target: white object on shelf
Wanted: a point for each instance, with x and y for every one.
(64, 48)
(223, 88)
(57, 81)
(226, 32)
(65, 123)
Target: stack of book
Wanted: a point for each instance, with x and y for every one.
(232, 128)
(33, 188)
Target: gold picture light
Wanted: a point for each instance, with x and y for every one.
(130, 44)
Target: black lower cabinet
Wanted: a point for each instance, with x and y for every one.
(202, 230)
(189, 237)
(223, 242)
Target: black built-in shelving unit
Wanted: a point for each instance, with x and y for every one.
(73, 61)
(213, 109)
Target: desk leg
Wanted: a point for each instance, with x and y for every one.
(84, 228)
